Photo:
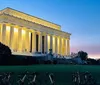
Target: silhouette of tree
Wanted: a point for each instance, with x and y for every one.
(5, 54)
(4, 50)
(83, 55)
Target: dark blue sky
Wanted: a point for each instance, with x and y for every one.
(81, 18)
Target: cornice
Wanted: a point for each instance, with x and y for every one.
(31, 18)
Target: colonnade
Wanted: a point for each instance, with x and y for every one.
(21, 39)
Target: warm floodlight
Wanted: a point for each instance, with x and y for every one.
(23, 31)
(8, 28)
(15, 30)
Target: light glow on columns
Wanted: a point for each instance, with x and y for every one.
(0, 32)
(8, 28)
(53, 44)
(66, 44)
(66, 47)
(15, 30)
(58, 45)
(29, 36)
(29, 33)
(48, 43)
(7, 35)
(62, 48)
(23, 32)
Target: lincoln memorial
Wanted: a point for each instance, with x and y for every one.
(25, 33)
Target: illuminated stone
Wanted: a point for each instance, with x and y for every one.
(24, 33)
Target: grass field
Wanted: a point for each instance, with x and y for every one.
(62, 73)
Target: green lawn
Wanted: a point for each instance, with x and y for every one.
(62, 73)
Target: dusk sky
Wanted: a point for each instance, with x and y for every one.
(81, 18)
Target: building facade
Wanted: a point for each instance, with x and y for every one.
(24, 33)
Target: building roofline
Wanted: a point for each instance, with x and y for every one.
(40, 24)
(31, 15)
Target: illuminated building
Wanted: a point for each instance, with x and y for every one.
(24, 33)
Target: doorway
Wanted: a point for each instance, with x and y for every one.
(37, 41)
(42, 44)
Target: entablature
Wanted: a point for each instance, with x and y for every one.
(5, 18)
(28, 17)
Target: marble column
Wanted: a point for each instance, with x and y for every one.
(51, 43)
(60, 46)
(8, 28)
(11, 37)
(0, 32)
(23, 40)
(3, 34)
(56, 45)
(27, 44)
(64, 46)
(15, 40)
(46, 43)
(40, 42)
(20, 39)
(68, 47)
(33, 41)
